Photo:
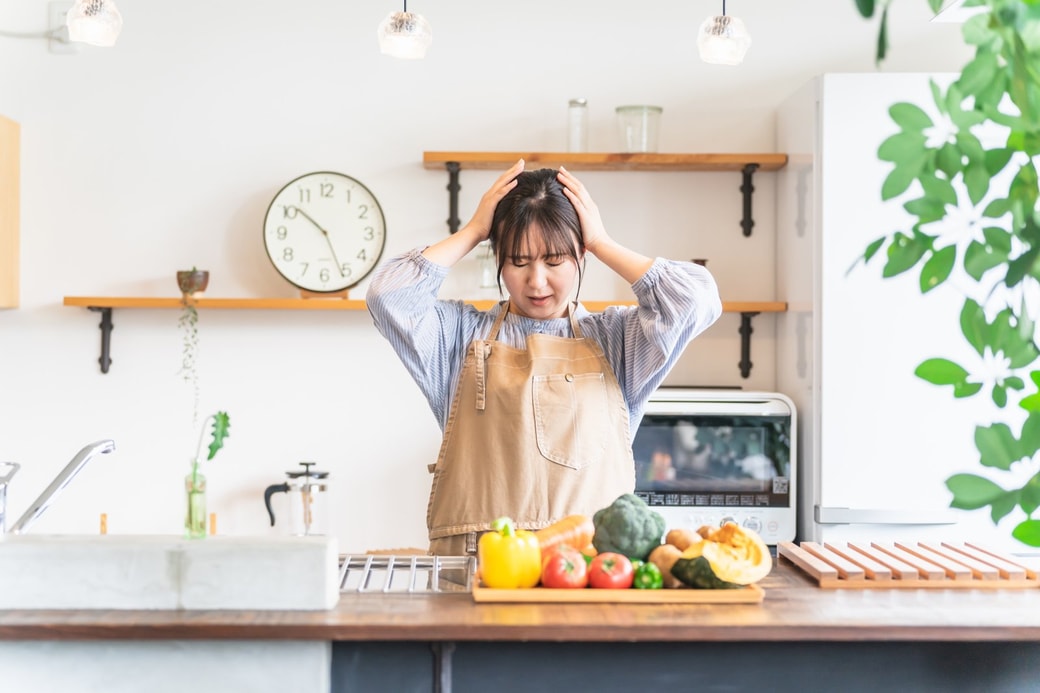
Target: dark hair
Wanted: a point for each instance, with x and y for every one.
(538, 198)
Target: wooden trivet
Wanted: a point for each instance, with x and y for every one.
(907, 565)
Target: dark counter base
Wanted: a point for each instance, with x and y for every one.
(848, 667)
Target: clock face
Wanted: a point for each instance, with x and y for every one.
(324, 232)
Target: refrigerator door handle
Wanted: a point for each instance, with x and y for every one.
(879, 516)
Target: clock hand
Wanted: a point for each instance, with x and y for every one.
(327, 239)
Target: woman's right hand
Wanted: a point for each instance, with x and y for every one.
(450, 250)
(480, 224)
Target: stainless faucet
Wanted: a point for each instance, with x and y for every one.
(60, 482)
(12, 469)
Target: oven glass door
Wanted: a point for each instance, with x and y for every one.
(714, 460)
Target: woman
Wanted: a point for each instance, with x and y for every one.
(538, 398)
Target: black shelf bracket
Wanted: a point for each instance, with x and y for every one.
(747, 189)
(453, 194)
(745, 343)
(106, 336)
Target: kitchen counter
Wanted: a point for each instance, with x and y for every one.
(893, 638)
(794, 609)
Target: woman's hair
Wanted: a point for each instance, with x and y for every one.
(537, 199)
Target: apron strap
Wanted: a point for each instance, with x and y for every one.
(493, 334)
(481, 351)
(571, 310)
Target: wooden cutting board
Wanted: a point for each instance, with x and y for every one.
(907, 565)
(752, 594)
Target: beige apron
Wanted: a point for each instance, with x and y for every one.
(535, 434)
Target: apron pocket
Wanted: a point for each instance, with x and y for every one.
(570, 417)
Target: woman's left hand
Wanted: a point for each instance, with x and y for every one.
(592, 229)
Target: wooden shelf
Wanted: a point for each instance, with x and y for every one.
(106, 304)
(606, 161)
(347, 304)
(746, 164)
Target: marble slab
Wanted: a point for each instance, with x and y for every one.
(166, 572)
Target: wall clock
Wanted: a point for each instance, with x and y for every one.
(324, 232)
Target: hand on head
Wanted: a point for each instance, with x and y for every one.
(592, 228)
(489, 201)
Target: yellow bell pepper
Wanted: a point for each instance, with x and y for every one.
(509, 558)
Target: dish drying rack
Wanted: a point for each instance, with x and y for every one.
(409, 574)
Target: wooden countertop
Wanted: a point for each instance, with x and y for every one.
(794, 610)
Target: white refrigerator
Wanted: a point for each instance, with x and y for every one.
(876, 442)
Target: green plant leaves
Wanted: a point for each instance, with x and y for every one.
(904, 252)
(997, 446)
(971, 492)
(1028, 532)
(221, 430)
(938, 267)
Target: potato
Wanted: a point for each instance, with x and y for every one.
(681, 538)
(664, 557)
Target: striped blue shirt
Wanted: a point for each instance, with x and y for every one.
(677, 301)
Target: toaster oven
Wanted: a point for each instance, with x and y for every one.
(707, 457)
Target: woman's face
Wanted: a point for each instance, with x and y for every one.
(540, 286)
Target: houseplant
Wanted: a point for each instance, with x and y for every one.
(190, 282)
(967, 156)
(195, 482)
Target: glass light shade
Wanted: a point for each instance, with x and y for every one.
(96, 22)
(723, 40)
(405, 35)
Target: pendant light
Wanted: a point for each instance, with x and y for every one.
(723, 39)
(96, 22)
(405, 35)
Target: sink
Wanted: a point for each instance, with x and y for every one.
(168, 572)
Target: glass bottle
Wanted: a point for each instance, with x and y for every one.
(578, 125)
(195, 494)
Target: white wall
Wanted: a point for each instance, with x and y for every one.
(163, 153)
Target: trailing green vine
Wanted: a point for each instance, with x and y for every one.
(968, 155)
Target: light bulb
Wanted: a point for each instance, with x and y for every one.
(723, 40)
(404, 35)
(96, 22)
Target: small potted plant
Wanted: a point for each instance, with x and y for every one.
(190, 282)
(195, 482)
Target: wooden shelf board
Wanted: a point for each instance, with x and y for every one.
(347, 304)
(607, 161)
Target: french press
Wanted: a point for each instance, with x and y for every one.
(306, 491)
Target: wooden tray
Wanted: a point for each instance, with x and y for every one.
(752, 594)
(908, 565)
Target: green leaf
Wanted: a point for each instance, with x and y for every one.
(1002, 507)
(978, 73)
(899, 178)
(966, 389)
(939, 188)
(971, 492)
(865, 7)
(904, 252)
(873, 248)
(997, 446)
(1029, 495)
(221, 430)
(938, 267)
(902, 147)
(973, 325)
(926, 209)
(1013, 382)
(996, 209)
(882, 37)
(976, 179)
(910, 117)
(997, 159)
(940, 371)
(999, 396)
(979, 258)
(1028, 532)
(949, 159)
(1029, 442)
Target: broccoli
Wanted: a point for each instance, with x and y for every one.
(629, 527)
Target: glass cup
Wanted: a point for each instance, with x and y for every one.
(637, 127)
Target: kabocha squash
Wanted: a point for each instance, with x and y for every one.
(726, 558)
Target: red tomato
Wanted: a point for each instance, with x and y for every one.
(611, 571)
(564, 566)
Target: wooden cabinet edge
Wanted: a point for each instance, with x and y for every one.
(10, 195)
(159, 302)
(608, 161)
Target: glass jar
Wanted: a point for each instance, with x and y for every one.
(578, 125)
(637, 127)
(195, 515)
